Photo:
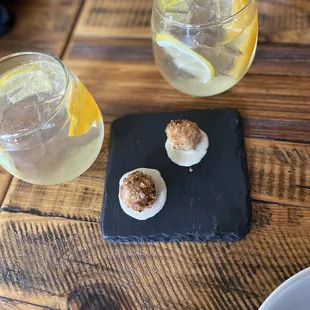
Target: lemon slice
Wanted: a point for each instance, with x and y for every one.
(23, 82)
(246, 46)
(242, 33)
(22, 70)
(185, 58)
(7, 163)
(165, 4)
(237, 5)
(235, 28)
(83, 111)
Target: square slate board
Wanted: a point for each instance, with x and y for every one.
(211, 203)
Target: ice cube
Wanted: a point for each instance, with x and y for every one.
(178, 12)
(225, 9)
(222, 57)
(16, 117)
(202, 11)
(209, 11)
(209, 36)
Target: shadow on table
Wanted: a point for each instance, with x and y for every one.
(97, 296)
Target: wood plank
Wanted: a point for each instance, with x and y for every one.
(85, 270)
(121, 87)
(40, 26)
(279, 129)
(270, 59)
(26, 299)
(284, 21)
(279, 173)
(114, 49)
(115, 19)
(12, 304)
(80, 199)
(51, 251)
(280, 21)
(281, 59)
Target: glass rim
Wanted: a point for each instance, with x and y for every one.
(201, 26)
(38, 125)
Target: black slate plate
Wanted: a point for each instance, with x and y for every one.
(211, 203)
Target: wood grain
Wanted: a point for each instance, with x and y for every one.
(122, 87)
(280, 21)
(85, 270)
(279, 173)
(40, 26)
(114, 49)
(115, 18)
(12, 304)
(79, 199)
(52, 255)
(284, 21)
(270, 59)
(109, 55)
(281, 59)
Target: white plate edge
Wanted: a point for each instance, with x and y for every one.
(293, 279)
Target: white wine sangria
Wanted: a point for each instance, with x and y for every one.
(51, 129)
(204, 47)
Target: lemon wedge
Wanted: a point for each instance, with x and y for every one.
(237, 5)
(16, 73)
(83, 111)
(165, 4)
(7, 163)
(242, 33)
(185, 58)
(235, 28)
(23, 82)
(247, 46)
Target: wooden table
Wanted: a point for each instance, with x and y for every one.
(52, 255)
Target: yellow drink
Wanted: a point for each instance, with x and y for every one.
(204, 47)
(51, 129)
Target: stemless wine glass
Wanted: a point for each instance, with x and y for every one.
(51, 129)
(204, 47)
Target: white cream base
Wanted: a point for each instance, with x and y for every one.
(188, 158)
(161, 195)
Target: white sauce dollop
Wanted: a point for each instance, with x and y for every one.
(161, 195)
(188, 158)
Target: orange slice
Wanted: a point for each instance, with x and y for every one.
(238, 5)
(83, 111)
(235, 28)
(247, 47)
(241, 32)
(165, 4)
